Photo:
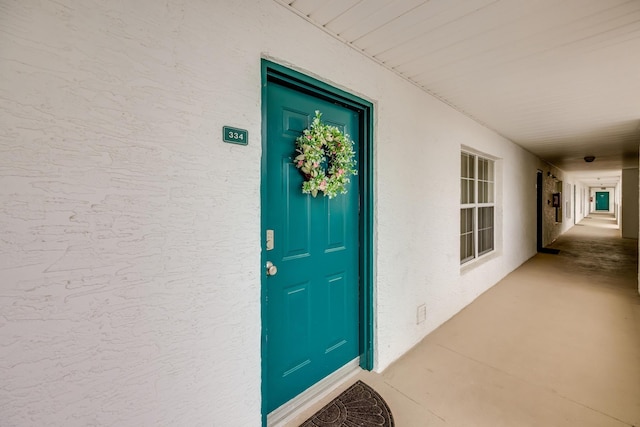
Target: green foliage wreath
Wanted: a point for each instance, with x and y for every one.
(326, 159)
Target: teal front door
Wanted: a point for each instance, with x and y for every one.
(312, 300)
(602, 200)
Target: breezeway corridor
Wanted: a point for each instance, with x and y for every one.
(555, 343)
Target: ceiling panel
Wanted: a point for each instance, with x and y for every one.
(424, 19)
(330, 9)
(305, 7)
(560, 78)
(376, 14)
(360, 11)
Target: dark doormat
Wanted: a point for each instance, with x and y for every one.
(549, 251)
(358, 406)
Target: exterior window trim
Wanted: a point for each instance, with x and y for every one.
(475, 205)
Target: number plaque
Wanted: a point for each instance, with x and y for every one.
(235, 135)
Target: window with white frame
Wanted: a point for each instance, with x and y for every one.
(477, 206)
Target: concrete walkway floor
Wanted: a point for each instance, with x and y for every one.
(556, 343)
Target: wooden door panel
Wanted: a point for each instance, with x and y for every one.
(312, 304)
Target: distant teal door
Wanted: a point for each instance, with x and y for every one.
(602, 200)
(312, 301)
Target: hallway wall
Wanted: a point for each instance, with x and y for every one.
(130, 255)
(553, 218)
(582, 206)
(630, 211)
(582, 202)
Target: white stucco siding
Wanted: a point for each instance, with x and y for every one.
(418, 214)
(130, 250)
(629, 209)
(129, 254)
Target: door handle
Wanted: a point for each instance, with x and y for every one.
(272, 270)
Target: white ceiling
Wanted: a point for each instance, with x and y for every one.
(561, 78)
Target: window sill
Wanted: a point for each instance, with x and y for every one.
(472, 265)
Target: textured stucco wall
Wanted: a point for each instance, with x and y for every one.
(555, 221)
(130, 250)
(586, 204)
(630, 202)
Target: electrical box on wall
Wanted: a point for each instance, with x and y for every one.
(421, 313)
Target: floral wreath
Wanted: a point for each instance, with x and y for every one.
(325, 158)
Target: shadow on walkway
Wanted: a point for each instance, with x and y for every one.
(594, 248)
